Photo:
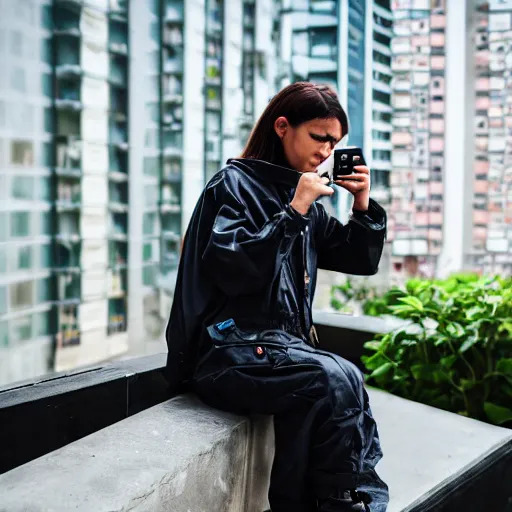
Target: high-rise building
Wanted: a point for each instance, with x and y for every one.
(418, 64)
(452, 201)
(491, 235)
(377, 122)
(113, 115)
(26, 188)
(346, 44)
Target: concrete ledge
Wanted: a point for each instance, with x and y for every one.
(183, 456)
(439, 461)
(179, 455)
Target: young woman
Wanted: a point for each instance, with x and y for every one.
(241, 330)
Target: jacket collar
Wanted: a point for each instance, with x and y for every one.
(266, 171)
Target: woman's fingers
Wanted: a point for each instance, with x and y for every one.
(362, 169)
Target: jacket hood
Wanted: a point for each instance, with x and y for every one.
(271, 173)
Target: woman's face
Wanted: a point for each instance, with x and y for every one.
(309, 144)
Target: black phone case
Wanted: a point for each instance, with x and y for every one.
(344, 162)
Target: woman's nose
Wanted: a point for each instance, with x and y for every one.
(326, 150)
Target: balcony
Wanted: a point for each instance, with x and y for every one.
(323, 7)
(69, 196)
(213, 75)
(68, 333)
(174, 12)
(69, 157)
(118, 103)
(118, 136)
(172, 171)
(172, 90)
(171, 226)
(118, 37)
(173, 36)
(118, 6)
(116, 283)
(68, 93)
(118, 197)
(66, 21)
(69, 286)
(214, 21)
(118, 226)
(118, 71)
(68, 256)
(68, 226)
(118, 254)
(213, 99)
(172, 143)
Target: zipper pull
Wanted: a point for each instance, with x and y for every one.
(313, 336)
(306, 283)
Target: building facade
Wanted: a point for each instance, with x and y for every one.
(113, 115)
(418, 140)
(490, 249)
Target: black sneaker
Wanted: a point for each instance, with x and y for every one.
(345, 501)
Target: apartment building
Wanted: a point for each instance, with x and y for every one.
(346, 44)
(418, 65)
(490, 241)
(113, 115)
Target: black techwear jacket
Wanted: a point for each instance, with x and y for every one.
(248, 256)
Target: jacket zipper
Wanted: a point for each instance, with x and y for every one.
(313, 337)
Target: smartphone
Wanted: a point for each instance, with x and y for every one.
(345, 159)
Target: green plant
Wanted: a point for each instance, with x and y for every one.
(456, 350)
(350, 291)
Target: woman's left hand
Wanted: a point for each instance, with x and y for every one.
(358, 184)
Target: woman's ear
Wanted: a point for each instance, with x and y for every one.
(281, 126)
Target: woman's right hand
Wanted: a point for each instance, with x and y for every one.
(309, 189)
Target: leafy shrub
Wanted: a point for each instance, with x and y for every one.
(455, 352)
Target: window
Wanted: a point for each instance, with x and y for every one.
(22, 295)
(381, 116)
(24, 258)
(43, 290)
(151, 196)
(149, 275)
(148, 224)
(381, 38)
(18, 83)
(16, 43)
(3, 301)
(3, 227)
(3, 114)
(46, 51)
(147, 252)
(22, 187)
(20, 224)
(22, 152)
(381, 58)
(41, 324)
(47, 85)
(21, 329)
(48, 120)
(45, 256)
(151, 165)
(44, 190)
(4, 334)
(46, 223)
(3, 260)
(382, 97)
(46, 17)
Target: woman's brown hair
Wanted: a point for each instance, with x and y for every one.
(299, 102)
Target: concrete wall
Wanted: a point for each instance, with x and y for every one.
(183, 456)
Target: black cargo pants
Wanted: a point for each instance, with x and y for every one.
(325, 436)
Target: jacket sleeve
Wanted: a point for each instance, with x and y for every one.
(241, 252)
(353, 248)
